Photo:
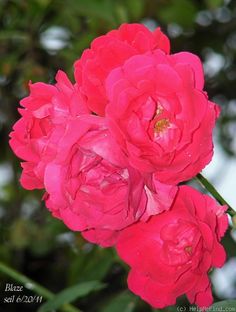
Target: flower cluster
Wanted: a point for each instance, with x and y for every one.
(110, 151)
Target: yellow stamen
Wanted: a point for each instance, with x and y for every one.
(188, 249)
(161, 125)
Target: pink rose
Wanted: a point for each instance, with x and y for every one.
(90, 187)
(110, 51)
(46, 108)
(171, 254)
(160, 116)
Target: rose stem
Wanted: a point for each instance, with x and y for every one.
(211, 189)
(37, 288)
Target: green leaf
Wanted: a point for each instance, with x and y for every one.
(181, 12)
(98, 267)
(221, 305)
(70, 294)
(101, 9)
(121, 13)
(135, 8)
(124, 302)
(214, 4)
(92, 265)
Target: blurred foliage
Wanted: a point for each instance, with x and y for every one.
(70, 294)
(38, 37)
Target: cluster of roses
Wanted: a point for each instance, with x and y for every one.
(110, 151)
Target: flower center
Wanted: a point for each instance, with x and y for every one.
(179, 242)
(188, 250)
(161, 125)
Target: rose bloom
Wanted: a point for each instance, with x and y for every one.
(171, 254)
(110, 51)
(155, 103)
(47, 107)
(160, 116)
(90, 188)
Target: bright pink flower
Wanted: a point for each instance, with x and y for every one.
(46, 108)
(160, 116)
(171, 254)
(110, 51)
(90, 187)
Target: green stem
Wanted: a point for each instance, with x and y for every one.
(211, 189)
(32, 285)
